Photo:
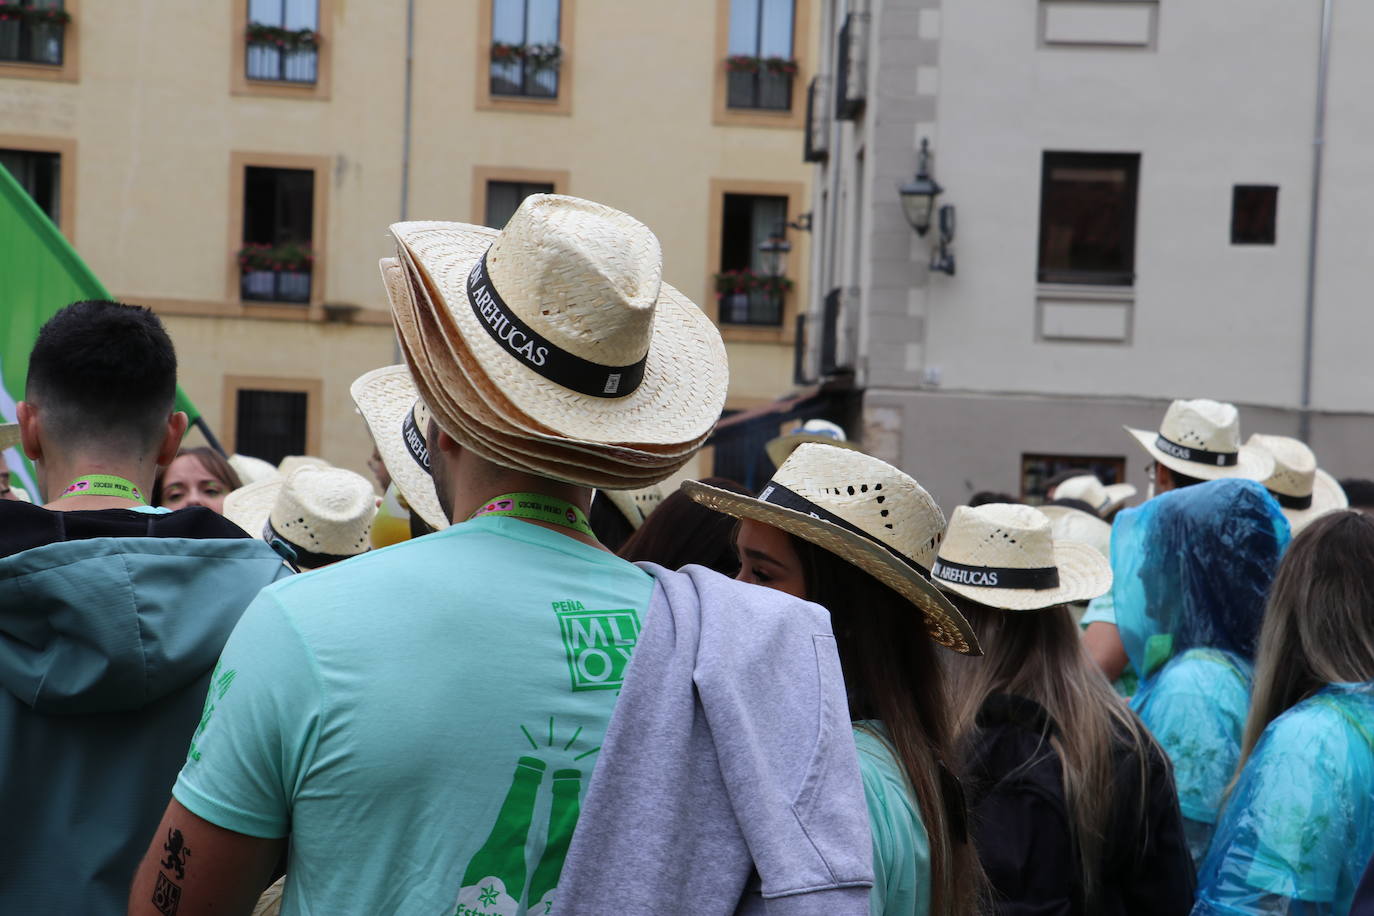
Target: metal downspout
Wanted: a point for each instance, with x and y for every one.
(405, 136)
(1318, 157)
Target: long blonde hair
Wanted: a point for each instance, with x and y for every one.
(1319, 622)
(1039, 655)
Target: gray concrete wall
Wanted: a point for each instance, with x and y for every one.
(956, 443)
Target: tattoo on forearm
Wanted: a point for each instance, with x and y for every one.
(177, 853)
(166, 896)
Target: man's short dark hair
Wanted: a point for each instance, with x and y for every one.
(103, 374)
(1359, 492)
(1181, 480)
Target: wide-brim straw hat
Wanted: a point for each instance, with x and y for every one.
(1303, 490)
(864, 511)
(252, 470)
(635, 505)
(564, 312)
(814, 430)
(9, 435)
(1104, 498)
(323, 514)
(1070, 524)
(1201, 439)
(398, 421)
(1006, 556)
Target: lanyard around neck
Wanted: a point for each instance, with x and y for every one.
(538, 508)
(104, 485)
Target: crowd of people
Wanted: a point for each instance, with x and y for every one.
(513, 673)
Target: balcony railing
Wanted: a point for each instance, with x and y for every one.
(275, 285)
(281, 55)
(32, 36)
(759, 82)
(529, 71)
(756, 306)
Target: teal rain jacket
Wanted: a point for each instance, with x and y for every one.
(1192, 568)
(1298, 830)
(106, 648)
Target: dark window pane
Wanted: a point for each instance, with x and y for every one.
(1037, 469)
(38, 173)
(278, 205)
(747, 220)
(1087, 218)
(1254, 213)
(530, 31)
(278, 211)
(270, 424)
(505, 197)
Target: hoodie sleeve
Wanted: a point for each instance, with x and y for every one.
(257, 733)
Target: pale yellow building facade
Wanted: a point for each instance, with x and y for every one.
(175, 142)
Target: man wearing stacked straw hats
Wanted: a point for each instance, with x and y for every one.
(422, 721)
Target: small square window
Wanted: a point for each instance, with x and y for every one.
(1254, 213)
(40, 174)
(271, 424)
(1087, 218)
(1037, 470)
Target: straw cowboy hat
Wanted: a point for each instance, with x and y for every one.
(1304, 491)
(1202, 439)
(252, 470)
(292, 463)
(9, 435)
(322, 514)
(398, 421)
(553, 346)
(1070, 524)
(1006, 556)
(815, 430)
(1105, 499)
(860, 509)
(635, 505)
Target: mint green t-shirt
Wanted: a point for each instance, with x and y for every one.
(422, 720)
(901, 847)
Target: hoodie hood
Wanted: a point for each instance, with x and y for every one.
(107, 624)
(1192, 568)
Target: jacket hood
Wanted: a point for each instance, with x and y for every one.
(1192, 568)
(109, 624)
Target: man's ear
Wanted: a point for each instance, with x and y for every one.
(171, 440)
(28, 431)
(443, 441)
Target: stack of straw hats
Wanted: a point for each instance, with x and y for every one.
(553, 347)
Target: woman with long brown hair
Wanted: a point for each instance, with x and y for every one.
(857, 536)
(1297, 829)
(1072, 803)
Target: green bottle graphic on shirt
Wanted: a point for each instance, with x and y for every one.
(494, 880)
(567, 785)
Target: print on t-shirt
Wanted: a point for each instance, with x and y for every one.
(599, 644)
(497, 881)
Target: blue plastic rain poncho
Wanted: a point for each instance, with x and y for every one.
(1298, 830)
(1192, 568)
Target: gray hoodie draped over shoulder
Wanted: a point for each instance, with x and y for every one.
(728, 781)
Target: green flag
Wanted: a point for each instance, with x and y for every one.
(39, 274)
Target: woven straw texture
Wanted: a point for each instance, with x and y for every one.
(464, 390)
(1069, 524)
(874, 497)
(461, 412)
(1003, 536)
(588, 278)
(1210, 425)
(322, 509)
(1296, 474)
(636, 505)
(9, 435)
(385, 398)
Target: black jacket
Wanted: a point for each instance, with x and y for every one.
(1020, 822)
